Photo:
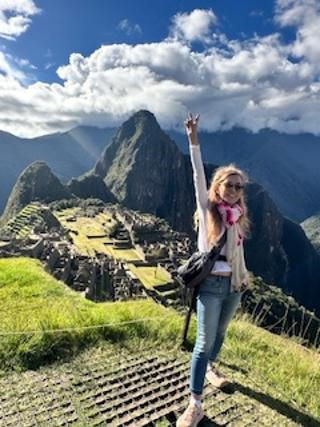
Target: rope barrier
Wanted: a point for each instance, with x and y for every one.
(53, 304)
(104, 325)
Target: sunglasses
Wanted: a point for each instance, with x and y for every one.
(236, 187)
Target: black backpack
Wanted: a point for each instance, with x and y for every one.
(199, 265)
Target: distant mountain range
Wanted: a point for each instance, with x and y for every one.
(144, 170)
(68, 154)
(287, 166)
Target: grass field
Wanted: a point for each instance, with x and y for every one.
(34, 301)
(284, 368)
(98, 226)
(42, 320)
(125, 254)
(151, 276)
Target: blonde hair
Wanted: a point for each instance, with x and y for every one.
(213, 218)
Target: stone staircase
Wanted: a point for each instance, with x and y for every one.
(171, 292)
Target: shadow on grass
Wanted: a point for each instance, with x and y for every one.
(283, 408)
(49, 347)
(207, 422)
(187, 345)
(278, 406)
(234, 367)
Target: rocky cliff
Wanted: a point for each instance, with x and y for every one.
(303, 277)
(311, 227)
(145, 171)
(91, 186)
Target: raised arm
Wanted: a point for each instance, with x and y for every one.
(199, 178)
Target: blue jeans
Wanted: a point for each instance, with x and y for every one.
(216, 305)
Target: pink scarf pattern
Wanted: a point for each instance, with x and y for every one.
(230, 216)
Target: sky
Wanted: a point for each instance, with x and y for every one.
(249, 63)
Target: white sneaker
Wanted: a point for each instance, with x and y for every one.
(216, 378)
(191, 416)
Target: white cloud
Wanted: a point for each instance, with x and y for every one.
(255, 13)
(15, 17)
(49, 65)
(193, 26)
(5, 67)
(251, 83)
(305, 16)
(8, 68)
(25, 63)
(20, 69)
(126, 26)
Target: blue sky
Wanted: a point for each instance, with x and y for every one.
(249, 63)
(66, 26)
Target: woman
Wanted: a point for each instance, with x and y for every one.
(222, 207)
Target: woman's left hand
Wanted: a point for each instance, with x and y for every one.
(192, 128)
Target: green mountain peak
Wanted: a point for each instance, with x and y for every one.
(36, 182)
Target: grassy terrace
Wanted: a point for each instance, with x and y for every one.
(98, 226)
(151, 276)
(31, 300)
(21, 223)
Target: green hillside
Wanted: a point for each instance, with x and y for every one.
(34, 305)
(44, 321)
(36, 182)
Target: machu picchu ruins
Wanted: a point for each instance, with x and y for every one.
(128, 241)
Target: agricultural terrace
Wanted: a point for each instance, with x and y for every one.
(23, 222)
